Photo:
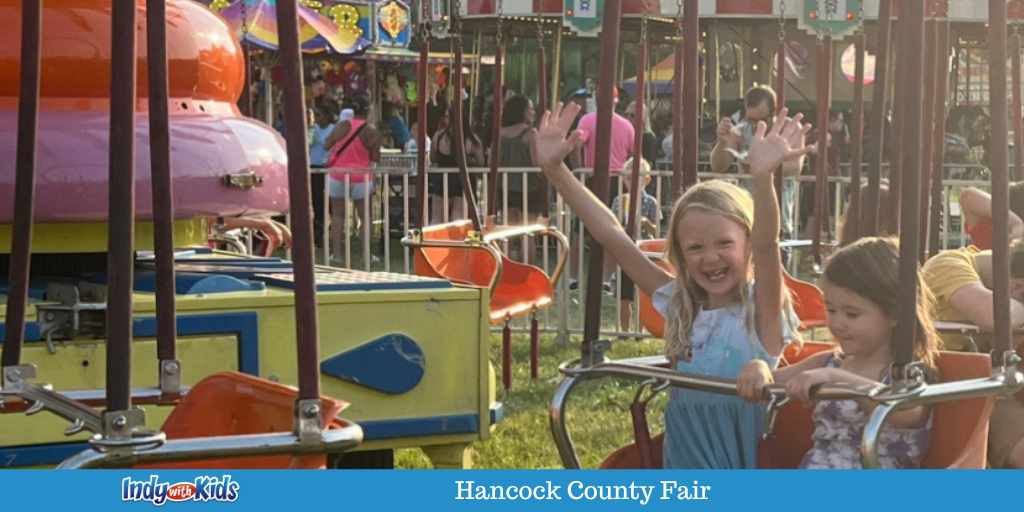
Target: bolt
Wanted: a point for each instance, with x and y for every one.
(50, 315)
(171, 368)
(120, 422)
(311, 411)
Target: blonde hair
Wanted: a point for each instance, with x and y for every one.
(627, 167)
(715, 197)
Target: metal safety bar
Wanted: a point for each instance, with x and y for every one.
(202, 448)
(1003, 381)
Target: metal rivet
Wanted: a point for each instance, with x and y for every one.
(311, 411)
(171, 368)
(120, 422)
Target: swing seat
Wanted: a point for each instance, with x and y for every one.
(517, 289)
(232, 404)
(959, 435)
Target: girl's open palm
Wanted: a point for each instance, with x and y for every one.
(551, 143)
(784, 141)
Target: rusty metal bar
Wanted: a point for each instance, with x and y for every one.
(878, 101)
(496, 111)
(780, 93)
(121, 204)
(306, 328)
(677, 121)
(939, 136)
(912, 27)
(691, 92)
(929, 100)
(421, 219)
(897, 161)
(1018, 122)
(600, 183)
(638, 139)
(853, 216)
(162, 186)
(1000, 179)
(824, 82)
(24, 181)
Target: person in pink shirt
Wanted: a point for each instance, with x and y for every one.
(621, 144)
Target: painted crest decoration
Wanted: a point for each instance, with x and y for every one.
(393, 19)
(584, 16)
(833, 18)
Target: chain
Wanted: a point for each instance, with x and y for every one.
(831, 10)
(679, 18)
(500, 9)
(782, 22)
(245, 22)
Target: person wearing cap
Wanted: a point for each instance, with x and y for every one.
(647, 227)
(621, 147)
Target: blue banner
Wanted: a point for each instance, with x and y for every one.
(508, 490)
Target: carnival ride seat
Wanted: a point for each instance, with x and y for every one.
(236, 404)
(808, 301)
(959, 435)
(454, 251)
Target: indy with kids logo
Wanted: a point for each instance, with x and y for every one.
(202, 489)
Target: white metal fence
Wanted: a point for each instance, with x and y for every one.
(373, 244)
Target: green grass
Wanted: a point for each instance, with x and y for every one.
(598, 411)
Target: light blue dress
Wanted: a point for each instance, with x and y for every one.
(706, 430)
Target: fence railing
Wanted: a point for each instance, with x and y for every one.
(384, 215)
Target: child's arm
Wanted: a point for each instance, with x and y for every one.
(551, 147)
(757, 374)
(768, 149)
(800, 387)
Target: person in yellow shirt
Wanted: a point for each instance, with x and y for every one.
(961, 281)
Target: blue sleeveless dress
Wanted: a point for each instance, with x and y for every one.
(707, 430)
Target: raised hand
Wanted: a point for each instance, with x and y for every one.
(727, 134)
(551, 143)
(783, 142)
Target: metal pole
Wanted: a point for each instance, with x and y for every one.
(677, 120)
(121, 203)
(162, 186)
(457, 112)
(24, 184)
(600, 183)
(878, 101)
(638, 139)
(691, 91)
(928, 107)
(556, 68)
(912, 27)
(496, 110)
(824, 81)
(1000, 179)
(939, 136)
(853, 215)
(420, 209)
(306, 328)
(1018, 122)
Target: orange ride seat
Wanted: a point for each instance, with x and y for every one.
(959, 436)
(232, 404)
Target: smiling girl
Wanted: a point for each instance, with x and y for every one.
(721, 242)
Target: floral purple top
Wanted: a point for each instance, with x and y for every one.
(839, 426)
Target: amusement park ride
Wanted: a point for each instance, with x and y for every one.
(400, 349)
(116, 327)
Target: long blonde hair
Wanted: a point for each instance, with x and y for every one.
(715, 197)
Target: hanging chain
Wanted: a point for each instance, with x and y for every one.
(782, 22)
(498, 38)
(679, 18)
(245, 22)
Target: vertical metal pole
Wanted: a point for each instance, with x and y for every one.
(824, 80)
(1018, 122)
(1000, 179)
(460, 142)
(599, 185)
(691, 91)
(878, 101)
(420, 210)
(638, 139)
(496, 108)
(853, 215)
(928, 111)
(556, 68)
(121, 203)
(912, 27)
(24, 181)
(677, 118)
(306, 328)
(162, 186)
(899, 162)
(939, 137)
(780, 92)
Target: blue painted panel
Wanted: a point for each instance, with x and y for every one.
(193, 283)
(392, 364)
